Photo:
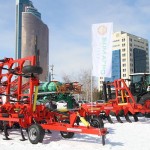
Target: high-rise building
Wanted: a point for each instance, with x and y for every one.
(130, 55)
(20, 7)
(32, 35)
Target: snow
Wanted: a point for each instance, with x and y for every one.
(121, 136)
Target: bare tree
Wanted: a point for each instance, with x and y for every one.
(84, 78)
(66, 78)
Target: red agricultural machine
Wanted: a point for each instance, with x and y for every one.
(122, 104)
(18, 94)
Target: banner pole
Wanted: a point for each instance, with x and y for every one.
(91, 89)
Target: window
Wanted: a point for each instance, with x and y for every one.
(123, 40)
(123, 60)
(131, 70)
(124, 65)
(131, 65)
(123, 55)
(124, 75)
(101, 82)
(124, 70)
(123, 45)
(123, 50)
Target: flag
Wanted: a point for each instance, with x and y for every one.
(102, 49)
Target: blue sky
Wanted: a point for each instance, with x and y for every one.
(70, 22)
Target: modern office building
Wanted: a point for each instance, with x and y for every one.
(32, 35)
(20, 7)
(130, 55)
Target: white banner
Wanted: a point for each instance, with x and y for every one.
(102, 49)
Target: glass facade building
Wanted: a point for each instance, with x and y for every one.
(20, 7)
(32, 36)
(139, 58)
(116, 66)
(130, 54)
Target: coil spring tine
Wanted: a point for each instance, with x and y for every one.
(127, 118)
(1, 126)
(109, 119)
(22, 135)
(118, 119)
(135, 117)
(6, 132)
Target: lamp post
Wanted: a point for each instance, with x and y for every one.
(51, 74)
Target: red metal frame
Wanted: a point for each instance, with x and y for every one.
(124, 101)
(21, 111)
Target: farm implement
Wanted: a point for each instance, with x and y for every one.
(18, 107)
(123, 104)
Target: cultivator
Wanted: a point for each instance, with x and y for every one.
(18, 92)
(123, 104)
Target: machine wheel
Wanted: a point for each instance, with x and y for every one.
(66, 134)
(32, 69)
(36, 133)
(97, 123)
(144, 98)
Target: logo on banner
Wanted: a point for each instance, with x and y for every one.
(102, 30)
(102, 49)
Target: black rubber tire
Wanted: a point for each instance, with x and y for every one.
(66, 134)
(32, 69)
(144, 98)
(36, 133)
(97, 123)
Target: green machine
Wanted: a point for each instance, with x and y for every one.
(140, 86)
(55, 91)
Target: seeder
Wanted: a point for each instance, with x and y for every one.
(123, 104)
(18, 92)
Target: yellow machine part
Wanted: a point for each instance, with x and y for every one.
(86, 123)
(35, 98)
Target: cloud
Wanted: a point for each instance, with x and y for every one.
(69, 23)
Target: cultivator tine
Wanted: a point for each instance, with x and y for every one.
(118, 119)
(135, 117)
(22, 135)
(49, 131)
(6, 132)
(1, 126)
(103, 139)
(109, 119)
(127, 118)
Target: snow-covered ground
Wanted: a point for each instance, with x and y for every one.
(122, 136)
